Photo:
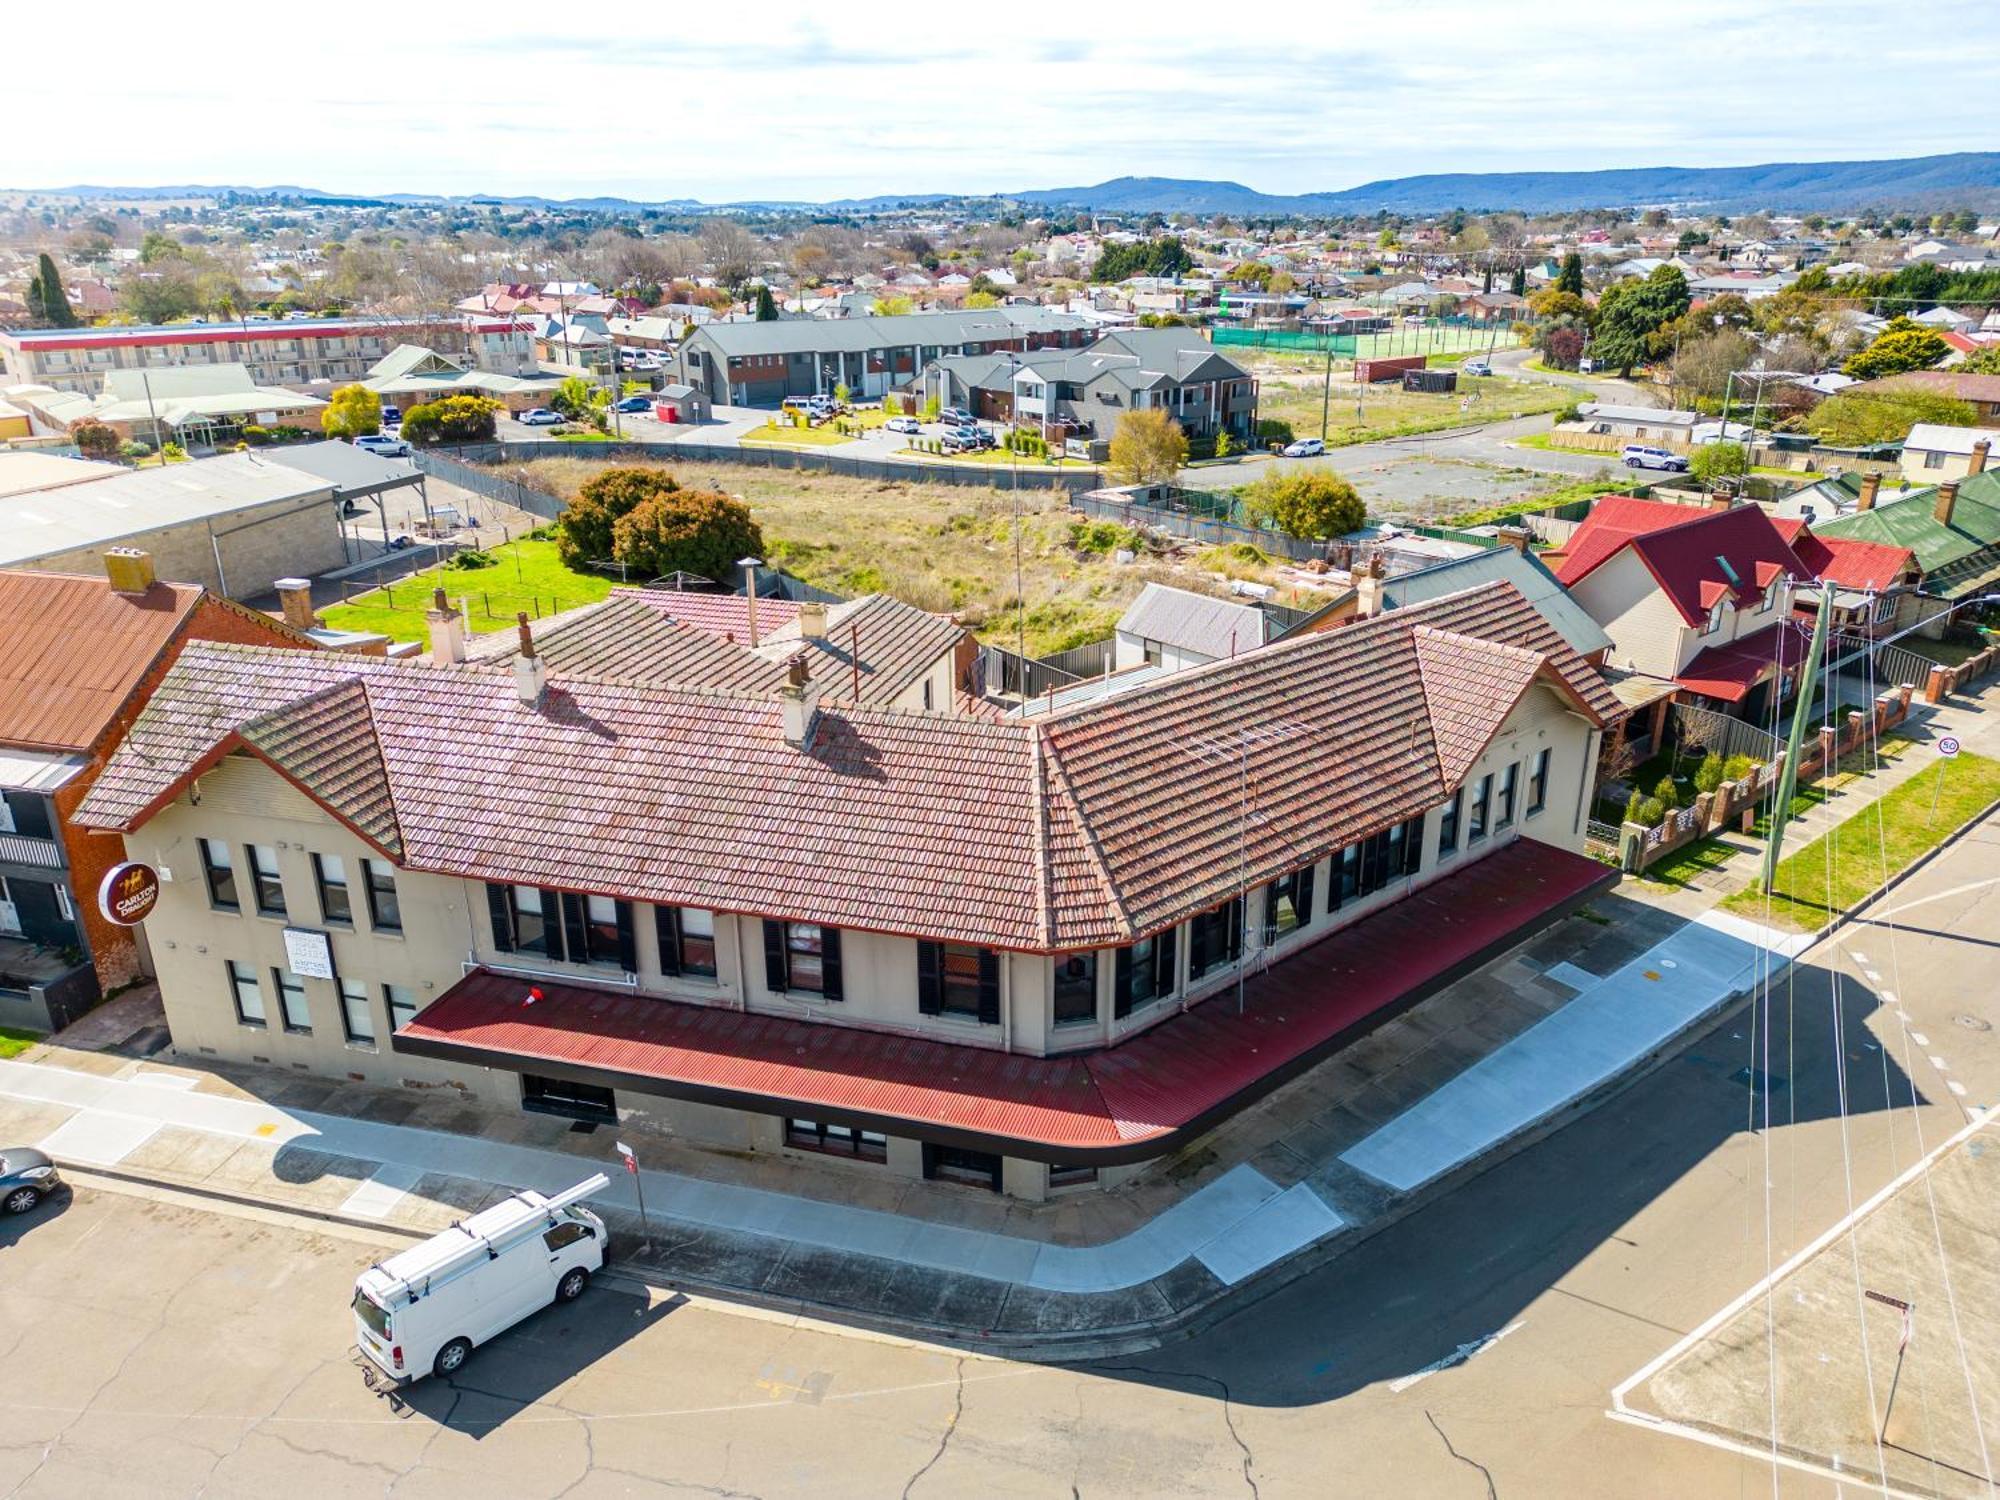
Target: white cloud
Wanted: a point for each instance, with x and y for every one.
(728, 102)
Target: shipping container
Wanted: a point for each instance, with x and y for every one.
(1371, 371)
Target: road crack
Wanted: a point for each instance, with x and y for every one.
(1492, 1492)
(944, 1438)
(1228, 1412)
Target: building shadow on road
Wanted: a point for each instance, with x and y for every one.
(521, 1368)
(1430, 1290)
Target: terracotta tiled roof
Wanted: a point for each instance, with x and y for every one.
(719, 614)
(626, 639)
(894, 644)
(1691, 553)
(75, 650)
(1088, 827)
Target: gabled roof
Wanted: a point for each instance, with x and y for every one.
(875, 648)
(1698, 557)
(1199, 623)
(1524, 570)
(718, 614)
(1845, 562)
(1084, 828)
(1955, 559)
(625, 638)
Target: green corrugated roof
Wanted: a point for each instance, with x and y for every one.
(1955, 559)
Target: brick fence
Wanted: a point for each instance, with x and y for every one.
(1735, 803)
(1944, 681)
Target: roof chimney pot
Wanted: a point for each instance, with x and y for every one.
(1368, 579)
(798, 701)
(1980, 451)
(531, 674)
(295, 600)
(1947, 500)
(129, 569)
(1871, 486)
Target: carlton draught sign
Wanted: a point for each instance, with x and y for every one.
(128, 893)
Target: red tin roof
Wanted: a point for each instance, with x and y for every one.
(1730, 670)
(1127, 1102)
(1696, 556)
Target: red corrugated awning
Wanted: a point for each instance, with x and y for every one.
(1730, 670)
(1123, 1103)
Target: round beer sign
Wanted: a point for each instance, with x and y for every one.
(128, 893)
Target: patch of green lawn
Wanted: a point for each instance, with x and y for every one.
(1847, 864)
(14, 1041)
(795, 437)
(526, 575)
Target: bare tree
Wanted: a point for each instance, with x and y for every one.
(732, 251)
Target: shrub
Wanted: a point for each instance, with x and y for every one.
(692, 531)
(472, 559)
(135, 450)
(173, 453)
(1710, 774)
(1147, 447)
(1652, 812)
(255, 436)
(1666, 791)
(454, 419)
(95, 439)
(1571, 413)
(1737, 767)
(1272, 430)
(1223, 446)
(591, 519)
(1713, 461)
(1102, 537)
(354, 411)
(1311, 504)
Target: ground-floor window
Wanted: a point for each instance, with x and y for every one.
(1062, 1177)
(574, 1101)
(957, 1164)
(836, 1140)
(1215, 938)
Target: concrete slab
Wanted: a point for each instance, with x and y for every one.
(1289, 1222)
(377, 1197)
(100, 1139)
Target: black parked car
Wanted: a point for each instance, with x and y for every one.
(27, 1176)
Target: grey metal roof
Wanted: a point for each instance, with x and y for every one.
(1649, 416)
(1528, 574)
(1200, 623)
(350, 470)
(858, 335)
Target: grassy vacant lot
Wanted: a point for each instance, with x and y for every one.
(1845, 865)
(1290, 390)
(941, 547)
(14, 1041)
(526, 575)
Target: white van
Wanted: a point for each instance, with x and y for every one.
(423, 1310)
(1643, 456)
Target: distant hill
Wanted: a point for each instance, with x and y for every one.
(1965, 177)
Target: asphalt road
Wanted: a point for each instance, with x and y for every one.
(160, 1349)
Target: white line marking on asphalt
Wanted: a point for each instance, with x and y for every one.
(1860, 957)
(1890, 996)
(1920, 1039)
(1871, 976)
(1957, 890)
(1762, 1455)
(1940, 1064)
(381, 1191)
(1956, 1087)
(1457, 1357)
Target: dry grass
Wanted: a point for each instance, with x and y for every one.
(942, 547)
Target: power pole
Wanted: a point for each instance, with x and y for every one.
(1789, 777)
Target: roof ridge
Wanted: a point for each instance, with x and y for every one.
(1100, 866)
(1044, 886)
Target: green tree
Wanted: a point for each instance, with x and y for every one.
(46, 289)
(588, 521)
(1629, 312)
(767, 307)
(1854, 419)
(1310, 504)
(1713, 461)
(577, 399)
(1896, 349)
(353, 411)
(893, 307)
(156, 247)
(974, 300)
(95, 439)
(1570, 277)
(1551, 303)
(455, 419)
(1985, 362)
(687, 531)
(1519, 284)
(1148, 447)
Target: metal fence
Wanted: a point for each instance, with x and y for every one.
(1895, 666)
(1087, 660)
(1198, 528)
(1700, 728)
(1004, 672)
(1070, 478)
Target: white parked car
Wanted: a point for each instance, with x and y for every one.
(1478, 365)
(1643, 456)
(903, 424)
(541, 416)
(382, 445)
(423, 1310)
(1305, 448)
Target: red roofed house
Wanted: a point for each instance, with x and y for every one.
(83, 654)
(766, 897)
(1698, 594)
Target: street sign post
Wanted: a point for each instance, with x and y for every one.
(1947, 748)
(1908, 1310)
(639, 1187)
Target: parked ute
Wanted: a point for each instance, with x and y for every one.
(541, 416)
(424, 1310)
(1641, 456)
(382, 445)
(1305, 448)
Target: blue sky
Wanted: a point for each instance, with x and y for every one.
(816, 102)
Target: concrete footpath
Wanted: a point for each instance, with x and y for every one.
(1295, 1181)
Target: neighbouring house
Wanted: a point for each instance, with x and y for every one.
(28, 470)
(1086, 391)
(779, 920)
(1172, 628)
(411, 375)
(1638, 424)
(196, 406)
(1699, 595)
(1511, 563)
(1951, 530)
(289, 352)
(83, 655)
(759, 364)
(1980, 392)
(234, 524)
(1932, 453)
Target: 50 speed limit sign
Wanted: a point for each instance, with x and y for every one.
(1948, 746)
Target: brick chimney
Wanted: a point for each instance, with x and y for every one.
(1368, 588)
(812, 620)
(447, 628)
(1980, 450)
(129, 569)
(1720, 500)
(1516, 537)
(531, 675)
(799, 701)
(1947, 498)
(295, 601)
(1871, 486)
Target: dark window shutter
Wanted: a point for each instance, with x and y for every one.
(500, 903)
(667, 927)
(930, 987)
(1121, 985)
(829, 959)
(1305, 895)
(774, 958)
(1198, 931)
(1413, 845)
(628, 947)
(989, 987)
(1166, 961)
(576, 935)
